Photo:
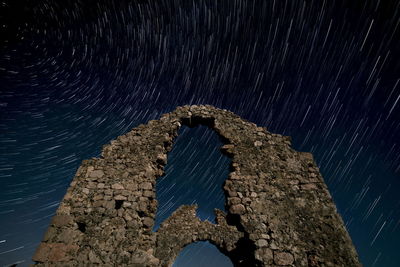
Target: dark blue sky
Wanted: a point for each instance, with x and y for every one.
(75, 75)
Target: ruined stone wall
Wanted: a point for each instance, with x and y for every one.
(280, 212)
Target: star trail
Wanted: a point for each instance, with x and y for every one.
(76, 74)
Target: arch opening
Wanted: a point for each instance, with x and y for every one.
(202, 254)
(195, 172)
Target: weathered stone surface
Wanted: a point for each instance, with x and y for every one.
(238, 209)
(117, 186)
(280, 212)
(54, 252)
(96, 174)
(283, 258)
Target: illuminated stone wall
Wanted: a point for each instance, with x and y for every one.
(280, 212)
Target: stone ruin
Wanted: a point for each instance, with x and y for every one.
(279, 210)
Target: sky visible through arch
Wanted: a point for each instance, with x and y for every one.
(194, 174)
(201, 254)
(76, 74)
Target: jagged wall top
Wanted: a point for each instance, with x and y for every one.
(280, 212)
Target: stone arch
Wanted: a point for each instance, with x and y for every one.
(280, 212)
(183, 228)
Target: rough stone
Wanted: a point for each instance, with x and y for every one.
(280, 212)
(262, 243)
(120, 197)
(54, 252)
(61, 220)
(238, 209)
(96, 174)
(117, 186)
(265, 255)
(257, 143)
(283, 258)
(146, 186)
(148, 222)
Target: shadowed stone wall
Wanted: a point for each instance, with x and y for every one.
(280, 212)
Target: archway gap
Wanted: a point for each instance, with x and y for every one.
(202, 253)
(195, 153)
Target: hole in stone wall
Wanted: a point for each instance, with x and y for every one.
(201, 254)
(196, 121)
(118, 204)
(194, 174)
(81, 226)
(244, 251)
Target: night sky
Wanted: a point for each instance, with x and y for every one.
(76, 74)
